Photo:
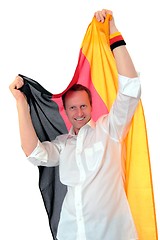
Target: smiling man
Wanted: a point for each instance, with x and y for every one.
(89, 156)
(78, 106)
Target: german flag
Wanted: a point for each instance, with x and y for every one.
(95, 69)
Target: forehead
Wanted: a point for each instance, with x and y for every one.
(76, 97)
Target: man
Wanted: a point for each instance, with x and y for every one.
(89, 156)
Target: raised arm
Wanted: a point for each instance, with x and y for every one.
(28, 135)
(124, 62)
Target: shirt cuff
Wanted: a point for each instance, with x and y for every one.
(39, 154)
(129, 86)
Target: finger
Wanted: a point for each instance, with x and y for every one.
(18, 82)
(19, 79)
(101, 15)
(105, 12)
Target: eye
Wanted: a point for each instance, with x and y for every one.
(83, 106)
(72, 108)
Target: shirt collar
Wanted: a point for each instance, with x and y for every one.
(90, 124)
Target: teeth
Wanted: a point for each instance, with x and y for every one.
(79, 119)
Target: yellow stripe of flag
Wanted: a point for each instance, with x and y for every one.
(138, 183)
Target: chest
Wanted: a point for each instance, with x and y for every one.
(84, 157)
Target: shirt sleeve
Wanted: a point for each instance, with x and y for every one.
(45, 154)
(130, 86)
(124, 107)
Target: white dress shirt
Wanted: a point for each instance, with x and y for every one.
(95, 206)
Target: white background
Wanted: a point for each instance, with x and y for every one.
(41, 39)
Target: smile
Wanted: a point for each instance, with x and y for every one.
(79, 119)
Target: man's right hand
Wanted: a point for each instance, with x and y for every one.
(14, 88)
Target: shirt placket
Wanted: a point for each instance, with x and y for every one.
(78, 191)
(79, 214)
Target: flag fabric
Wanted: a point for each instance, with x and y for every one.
(48, 124)
(96, 69)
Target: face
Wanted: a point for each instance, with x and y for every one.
(78, 109)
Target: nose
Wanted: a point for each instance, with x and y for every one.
(79, 112)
